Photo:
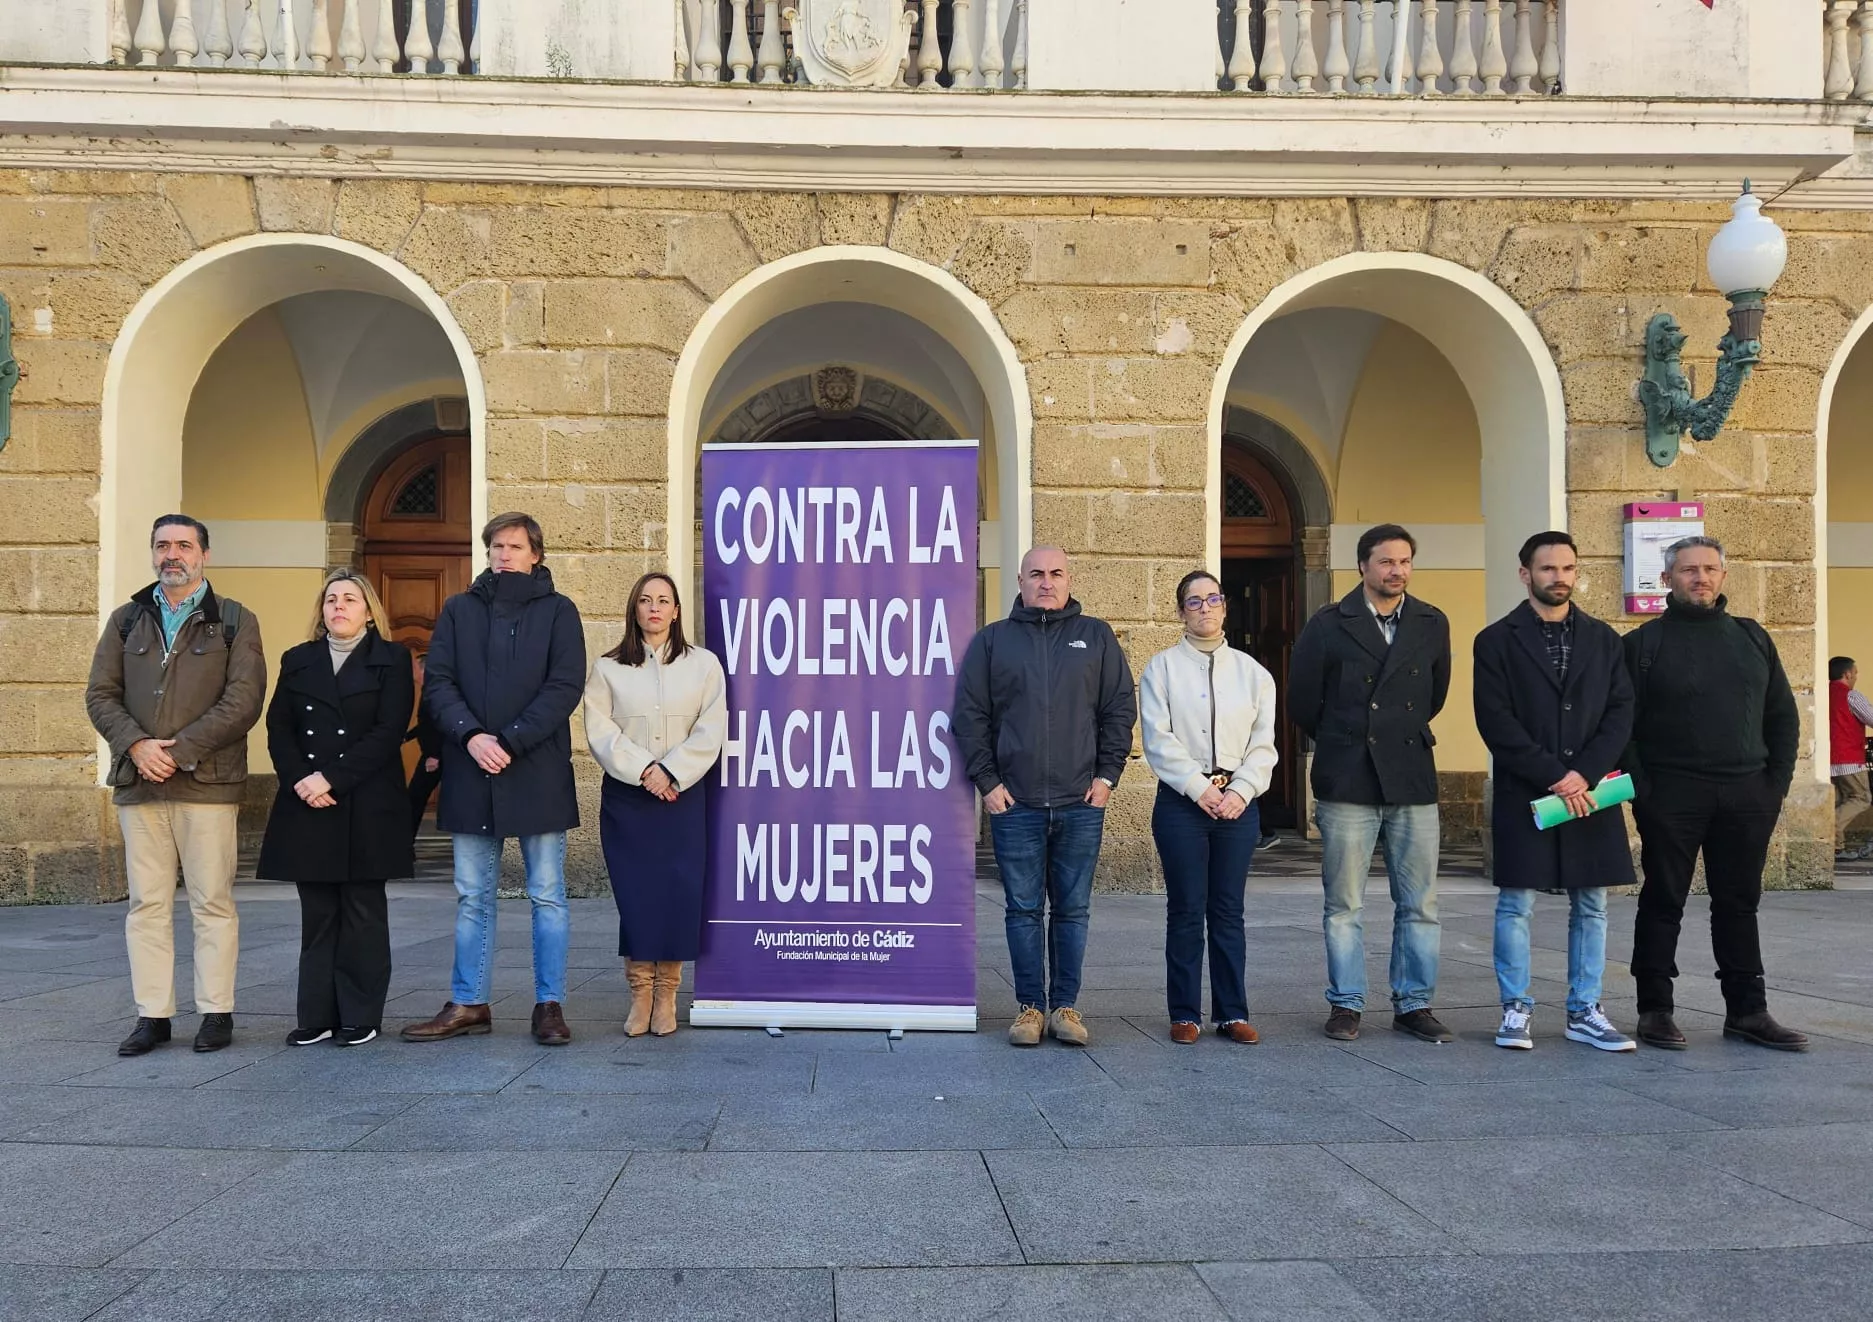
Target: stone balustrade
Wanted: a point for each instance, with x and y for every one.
(952, 44)
(317, 36)
(1847, 36)
(1391, 47)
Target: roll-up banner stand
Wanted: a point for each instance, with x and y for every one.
(839, 591)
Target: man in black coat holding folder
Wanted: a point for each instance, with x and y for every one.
(1554, 706)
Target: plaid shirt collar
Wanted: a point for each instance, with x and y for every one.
(1559, 640)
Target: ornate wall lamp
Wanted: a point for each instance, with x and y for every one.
(9, 371)
(1745, 260)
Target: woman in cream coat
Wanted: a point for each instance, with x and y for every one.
(656, 711)
(1209, 730)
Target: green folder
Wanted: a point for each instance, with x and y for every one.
(1609, 793)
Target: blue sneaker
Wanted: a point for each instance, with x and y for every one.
(1514, 1031)
(1594, 1029)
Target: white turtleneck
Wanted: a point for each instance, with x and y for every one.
(343, 647)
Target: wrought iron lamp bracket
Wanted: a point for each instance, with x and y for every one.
(1665, 392)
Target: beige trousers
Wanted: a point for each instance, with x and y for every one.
(201, 837)
(1850, 800)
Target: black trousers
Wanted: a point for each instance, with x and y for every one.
(344, 954)
(1730, 821)
(423, 783)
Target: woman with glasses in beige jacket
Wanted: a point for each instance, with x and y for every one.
(1208, 713)
(656, 712)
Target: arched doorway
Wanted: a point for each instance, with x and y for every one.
(418, 538)
(234, 390)
(885, 317)
(1421, 394)
(1260, 568)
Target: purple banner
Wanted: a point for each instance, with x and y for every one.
(839, 590)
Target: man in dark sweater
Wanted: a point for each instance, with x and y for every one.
(1712, 755)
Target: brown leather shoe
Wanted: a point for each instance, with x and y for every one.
(549, 1025)
(1240, 1030)
(1343, 1024)
(1183, 1032)
(451, 1020)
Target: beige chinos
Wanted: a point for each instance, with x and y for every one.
(201, 839)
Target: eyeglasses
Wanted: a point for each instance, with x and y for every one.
(1215, 601)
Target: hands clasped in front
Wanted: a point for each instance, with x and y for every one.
(1223, 805)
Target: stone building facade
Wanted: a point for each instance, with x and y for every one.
(592, 318)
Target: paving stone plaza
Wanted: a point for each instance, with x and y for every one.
(727, 1175)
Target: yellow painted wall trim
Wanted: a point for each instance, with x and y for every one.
(267, 543)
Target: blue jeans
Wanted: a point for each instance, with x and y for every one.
(477, 878)
(1206, 869)
(1046, 857)
(1586, 947)
(1408, 835)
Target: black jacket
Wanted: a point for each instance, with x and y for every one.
(507, 659)
(1368, 707)
(1538, 729)
(1712, 700)
(1044, 703)
(348, 726)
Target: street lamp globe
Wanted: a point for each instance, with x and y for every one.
(1746, 259)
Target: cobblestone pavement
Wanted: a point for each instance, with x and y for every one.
(726, 1175)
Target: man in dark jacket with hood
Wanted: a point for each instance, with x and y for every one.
(505, 670)
(1043, 720)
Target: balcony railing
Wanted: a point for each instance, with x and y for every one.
(1847, 36)
(1392, 47)
(319, 36)
(951, 44)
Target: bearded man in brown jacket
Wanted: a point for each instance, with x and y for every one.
(176, 683)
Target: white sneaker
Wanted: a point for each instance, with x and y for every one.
(1594, 1029)
(1514, 1031)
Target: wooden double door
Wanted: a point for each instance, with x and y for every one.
(418, 542)
(1262, 581)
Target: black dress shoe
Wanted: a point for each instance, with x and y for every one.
(146, 1036)
(1423, 1025)
(216, 1032)
(1658, 1029)
(1764, 1031)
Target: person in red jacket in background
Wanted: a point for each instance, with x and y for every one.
(1849, 715)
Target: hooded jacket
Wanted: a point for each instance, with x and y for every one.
(508, 659)
(1044, 704)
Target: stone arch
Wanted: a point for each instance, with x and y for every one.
(1295, 465)
(1499, 356)
(783, 405)
(1856, 343)
(365, 459)
(168, 339)
(887, 279)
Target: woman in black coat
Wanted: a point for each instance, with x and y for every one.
(340, 822)
(1554, 704)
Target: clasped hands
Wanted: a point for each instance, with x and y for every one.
(316, 790)
(1573, 788)
(658, 782)
(1225, 805)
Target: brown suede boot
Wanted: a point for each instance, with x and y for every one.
(663, 997)
(641, 974)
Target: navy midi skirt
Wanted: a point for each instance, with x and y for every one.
(655, 853)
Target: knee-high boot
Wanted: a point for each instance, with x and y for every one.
(641, 975)
(663, 1000)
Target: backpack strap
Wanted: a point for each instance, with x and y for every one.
(1759, 636)
(231, 616)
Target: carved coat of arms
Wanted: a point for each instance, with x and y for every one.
(852, 43)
